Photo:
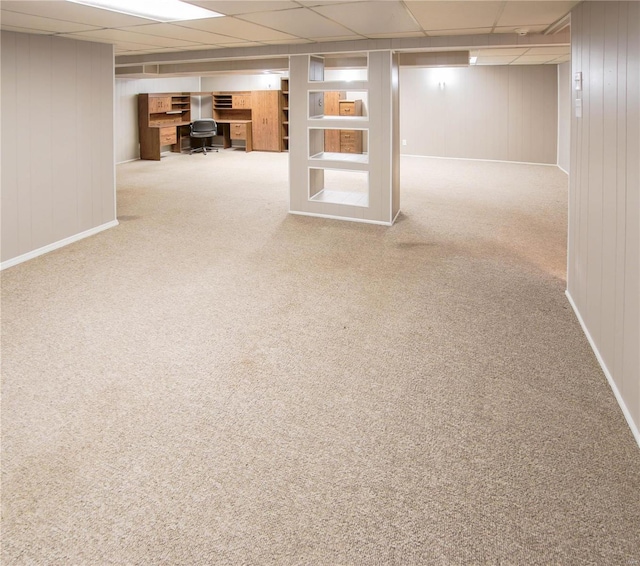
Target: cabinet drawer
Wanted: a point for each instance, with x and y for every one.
(168, 136)
(238, 131)
(350, 147)
(347, 136)
(347, 108)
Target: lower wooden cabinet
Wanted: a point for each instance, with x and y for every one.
(350, 141)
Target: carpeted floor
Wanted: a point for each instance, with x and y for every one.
(218, 382)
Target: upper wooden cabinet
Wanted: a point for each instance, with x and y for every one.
(265, 119)
(159, 104)
(241, 100)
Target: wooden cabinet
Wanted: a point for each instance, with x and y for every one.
(350, 140)
(241, 100)
(265, 117)
(159, 117)
(332, 108)
(350, 108)
(262, 109)
(159, 104)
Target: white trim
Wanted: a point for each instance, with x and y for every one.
(128, 161)
(563, 170)
(59, 244)
(558, 116)
(474, 159)
(612, 383)
(345, 218)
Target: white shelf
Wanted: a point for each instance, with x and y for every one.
(342, 197)
(357, 161)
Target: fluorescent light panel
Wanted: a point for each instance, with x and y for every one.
(158, 10)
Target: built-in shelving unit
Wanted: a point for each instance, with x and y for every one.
(348, 164)
(284, 118)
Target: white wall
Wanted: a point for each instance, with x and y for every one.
(482, 112)
(57, 142)
(127, 90)
(564, 116)
(262, 81)
(603, 279)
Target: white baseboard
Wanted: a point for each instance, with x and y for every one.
(345, 218)
(563, 170)
(59, 244)
(476, 159)
(607, 373)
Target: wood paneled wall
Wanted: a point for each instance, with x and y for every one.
(604, 196)
(57, 141)
(127, 90)
(503, 113)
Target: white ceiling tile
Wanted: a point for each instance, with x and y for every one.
(531, 13)
(178, 32)
(505, 60)
(38, 23)
(455, 15)
(234, 7)
(534, 58)
(368, 18)
(240, 29)
(472, 31)
(311, 3)
(70, 12)
(301, 22)
(118, 35)
(496, 52)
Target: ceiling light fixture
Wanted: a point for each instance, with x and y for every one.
(158, 10)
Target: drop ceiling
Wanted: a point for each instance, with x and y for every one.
(247, 24)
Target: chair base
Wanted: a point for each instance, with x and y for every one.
(202, 149)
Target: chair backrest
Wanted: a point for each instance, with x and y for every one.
(204, 126)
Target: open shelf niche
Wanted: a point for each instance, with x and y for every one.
(345, 162)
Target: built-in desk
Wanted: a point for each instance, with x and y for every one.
(236, 130)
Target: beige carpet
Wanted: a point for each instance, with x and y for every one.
(218, 382)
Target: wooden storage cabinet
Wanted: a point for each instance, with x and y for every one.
(159, 117)
(350, 141)
(332, 108)
(265, 116)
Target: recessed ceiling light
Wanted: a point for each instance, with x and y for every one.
(158, 10)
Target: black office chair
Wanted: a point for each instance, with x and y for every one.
(203, 129)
